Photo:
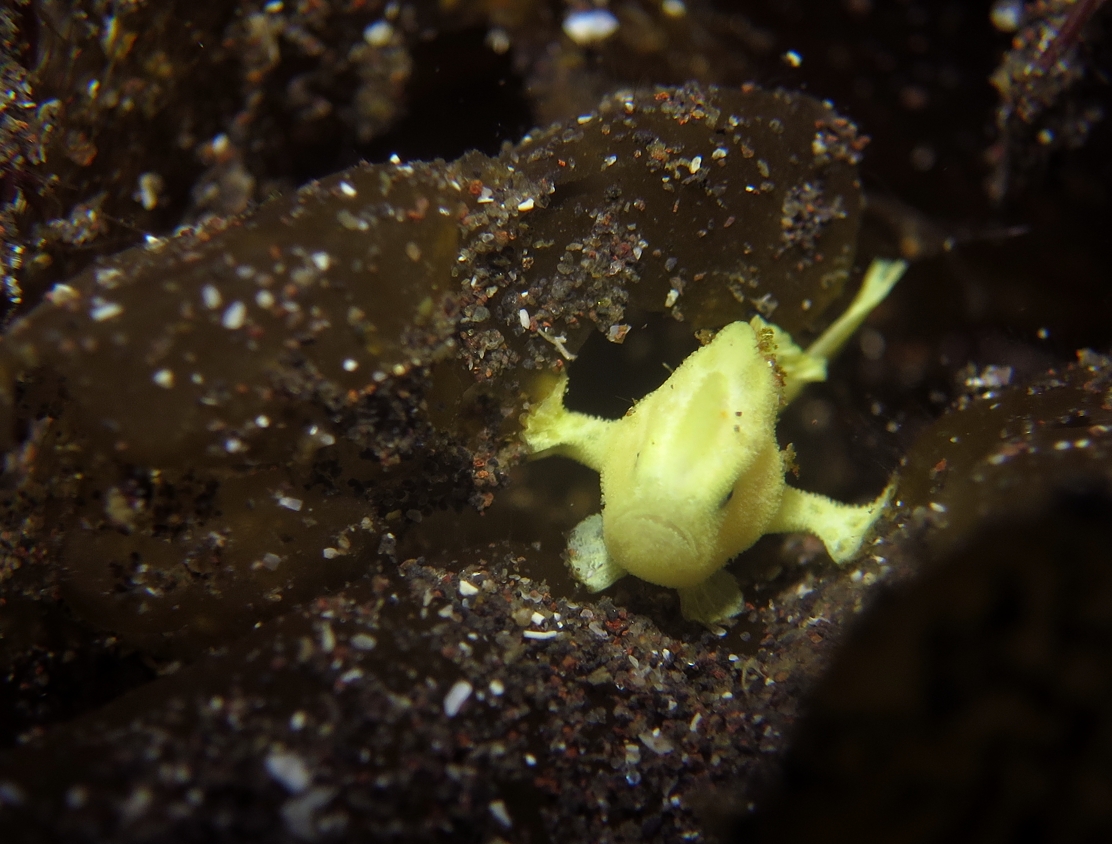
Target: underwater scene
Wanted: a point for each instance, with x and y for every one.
(545, 421)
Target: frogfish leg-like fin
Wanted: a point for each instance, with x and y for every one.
(801, 367)
(841, 527)
(550, 428)
(879, 280)
(588, 558)
(715, 599)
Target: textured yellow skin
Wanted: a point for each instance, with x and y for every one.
(693, 475)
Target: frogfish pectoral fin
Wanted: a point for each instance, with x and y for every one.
(588, 558)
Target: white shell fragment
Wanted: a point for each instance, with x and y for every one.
(234, 316)
(590, 26)
(378, 34)
(541, 634)
(1007, 15)
(211, 297)
(457, 696)
(105, 310)
(290, 770)
(363, 642)
(150, 185)
(60, 294)
(499, 812)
